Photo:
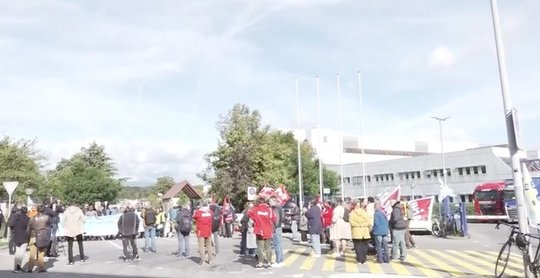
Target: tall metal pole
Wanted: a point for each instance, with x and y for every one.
(446, 201)
(362, 134)
(320, 143)
(300, 187)
(340, 140)
(512, 133)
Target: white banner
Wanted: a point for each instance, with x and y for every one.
(422, 212)
(99, 226)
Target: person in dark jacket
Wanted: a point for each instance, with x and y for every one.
(19, 224)
(128, 228)
(184, 223)
(54, 220)
(380, 234)
(398, 225)
(315, 227)
(39, 230)
(244, 228)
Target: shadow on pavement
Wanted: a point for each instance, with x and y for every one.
(9, 274)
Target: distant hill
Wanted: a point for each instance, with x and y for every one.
(134, 192)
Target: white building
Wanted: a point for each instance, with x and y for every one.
(418, 165)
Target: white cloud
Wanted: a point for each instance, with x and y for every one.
(441, 58)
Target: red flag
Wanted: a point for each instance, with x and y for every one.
(388, 199)
(266, 192)
(281, 194)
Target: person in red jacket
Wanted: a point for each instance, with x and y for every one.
(328, 210)
(264, 220)
(203, 223)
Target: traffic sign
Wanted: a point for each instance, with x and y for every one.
(10, 186)
(251, 193)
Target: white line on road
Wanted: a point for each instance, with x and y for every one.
(114, 244)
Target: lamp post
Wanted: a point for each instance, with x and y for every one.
(512, 133)
(446, 201)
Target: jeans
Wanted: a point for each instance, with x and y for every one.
(70, 247)
(381, 246)
(316, 243)
(129, 240)
(53, 249)
(398, 241)
(228, 230)
(264, 249)
(205, 248)
(150, 238)
(183, 244)
(276, 238)
(408, 237)
(361, 249)
(216, 241)
(20, 251)
(294, 229)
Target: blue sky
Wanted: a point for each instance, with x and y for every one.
(149, 79)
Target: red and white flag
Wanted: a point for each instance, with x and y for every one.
(281, 194)
(386, 200)
(266, 192)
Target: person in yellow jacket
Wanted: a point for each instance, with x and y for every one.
(160, 223)
(361, 224)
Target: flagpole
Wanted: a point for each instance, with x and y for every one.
(320, 143)
(340, 140)
(362, 133)
(300, 187)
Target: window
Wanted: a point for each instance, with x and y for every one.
(468, 170)
(435, 173)
(407, 175)
(475, 170)
(441, 172)
(460, 171)
(418, 174)
(369, 178)
(392, 176)
(347, 180)
(483, 169)
(470, 197)
(448, 172)
(428, 174)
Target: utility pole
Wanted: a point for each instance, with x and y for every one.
(512, 134)
(446, 201)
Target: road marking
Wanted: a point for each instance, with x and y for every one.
(488, 263)
(350, 263)
(374, 267)
(293, 257)
(308, 263)
(414, 262)
(474, 269)
(114, 244)
(400, 268)
(442, 265)
(492, 259)
(329, 263)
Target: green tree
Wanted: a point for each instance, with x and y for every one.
(20, 161)
(86, 177)
(162, 185)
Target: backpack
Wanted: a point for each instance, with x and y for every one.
(43, 236)
(346, 215)
(149, 217)
(216, 219)
(183, 220)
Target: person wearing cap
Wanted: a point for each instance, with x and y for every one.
(18, 224)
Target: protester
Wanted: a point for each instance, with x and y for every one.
(327, 222)
(278, 230)
(409, 241)
(19, 225)
(216, 225)
(54, 220)
(203, 223)
(74, 229)
(149, 217)
(251, 239)
(398, 226)
(315, 228)
(264, 220)
(228, 219)
(39, 230)
(340, 231)
(361, 224)
(128, 228)
(294, 214)
(380, 234)
(244, 228)
(184, 223)
(160, 223)
(303, 227)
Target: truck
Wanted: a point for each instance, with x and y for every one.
(489, 200)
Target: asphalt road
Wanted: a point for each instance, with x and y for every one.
(433, 257)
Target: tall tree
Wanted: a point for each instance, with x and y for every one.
(87, 177)
(162, 185)
(20, 161)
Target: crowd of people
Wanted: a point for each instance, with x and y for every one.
(362, 222)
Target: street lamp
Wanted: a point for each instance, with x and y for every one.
(446, 201)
